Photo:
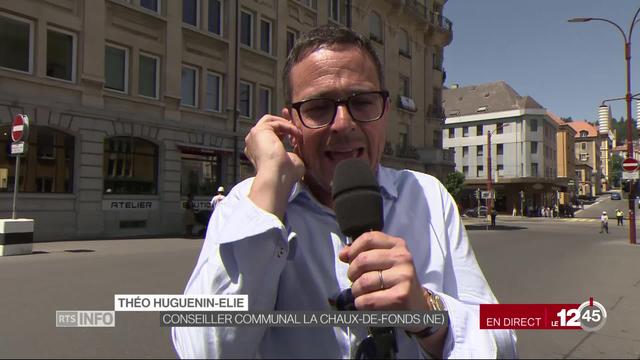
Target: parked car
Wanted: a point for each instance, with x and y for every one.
(473, 212)
(616, 196)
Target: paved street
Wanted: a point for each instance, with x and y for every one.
(526, 261)
(565, 261)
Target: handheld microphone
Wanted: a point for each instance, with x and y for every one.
(358, 206)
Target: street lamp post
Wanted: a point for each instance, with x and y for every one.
(628, 96)
(489, 179)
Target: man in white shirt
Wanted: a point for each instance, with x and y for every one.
(276, 238)
(217, 198)
(604, 222)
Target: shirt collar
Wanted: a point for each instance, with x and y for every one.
(386, 179)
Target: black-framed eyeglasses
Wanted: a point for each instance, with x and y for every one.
(363, 107)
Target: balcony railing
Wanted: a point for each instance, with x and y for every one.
(441, 22)
(416, 8)
(436, 111)
(436, 155)
(407, 151)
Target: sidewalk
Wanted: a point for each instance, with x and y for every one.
(525, 219)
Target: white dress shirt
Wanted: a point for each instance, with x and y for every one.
(294, 266)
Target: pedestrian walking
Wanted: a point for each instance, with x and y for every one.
(494, 214)
(620, 217)
(189, 217)
(217, 198)
(604, 222)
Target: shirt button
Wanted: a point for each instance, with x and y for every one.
(281, 252)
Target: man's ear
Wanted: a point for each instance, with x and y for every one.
(286, 113)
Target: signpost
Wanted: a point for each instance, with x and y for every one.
(487, 195)
(19, 133)
(630, 167)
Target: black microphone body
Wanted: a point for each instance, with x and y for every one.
(359, 208)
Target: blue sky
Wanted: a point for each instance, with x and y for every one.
(569, 68)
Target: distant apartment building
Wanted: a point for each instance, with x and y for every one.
(566, 161)
(607, 144)
(588, 161)
(132, 102)
(523, 145)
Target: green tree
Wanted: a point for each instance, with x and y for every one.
(621, 131)
(454, 183)
(615, 170)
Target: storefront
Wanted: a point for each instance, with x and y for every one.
(85, 177)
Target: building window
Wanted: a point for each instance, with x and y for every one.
(215, 17)
(213, 100)
(583, 146)
(61, 54)
(375, 27)
(189, 86)
(291, 39)
(499, 128)
(403, 138)
(500, 149)
(437, 58)
(405, 43)
(534, 169)
(116, 68)
(246, 28)
(480, 171)
(190, 10)
(405, 86)
(148, 76)
(452, 133)
(584, 133)
(500, 169)
(338, 11)
(264, 101)
(246, 99)
(479, 130)
(153, 5)
(465, 151)
(534, 147)
(310, 3)
(438, 111)
(480, 150)
(16, 43)
(533, 125)
(130, 166)
(50, 170)
(465, 131)
(201, 174)
(465, 171)
(584, 157)
(437, 139)
(46, 145)
(265, 35)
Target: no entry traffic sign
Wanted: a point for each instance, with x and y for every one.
(19, 128)
(630, 165)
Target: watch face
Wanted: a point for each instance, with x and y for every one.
(436, 302)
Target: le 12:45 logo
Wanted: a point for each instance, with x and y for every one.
(590, 316)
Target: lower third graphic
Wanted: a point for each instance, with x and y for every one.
(93, 318)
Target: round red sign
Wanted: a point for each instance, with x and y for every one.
(19, 128)
(630, 164)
